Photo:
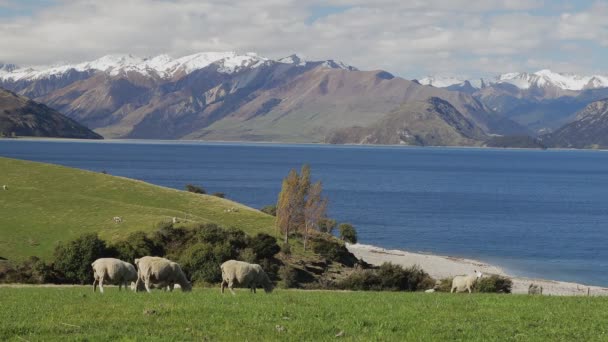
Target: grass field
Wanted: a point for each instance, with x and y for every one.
(47, 203)
(46, 314)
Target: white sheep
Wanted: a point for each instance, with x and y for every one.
(245, 274)
(534, 289)
(4, 187)
(156, 272)
(117, 219)
(462, 283)
(110, 270)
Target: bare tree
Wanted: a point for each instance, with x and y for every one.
(314, 210)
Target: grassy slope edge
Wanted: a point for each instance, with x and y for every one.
(48, 203)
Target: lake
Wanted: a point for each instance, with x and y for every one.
(535, 213)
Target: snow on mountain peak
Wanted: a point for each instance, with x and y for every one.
(293, 59)
(440, 81)
(548, 78)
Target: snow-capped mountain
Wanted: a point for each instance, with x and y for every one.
(523, 80)
(162, 66)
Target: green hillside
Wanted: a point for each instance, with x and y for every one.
(45, 204)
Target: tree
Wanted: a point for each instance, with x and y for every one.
(314, 210)
(327, 225)
(347, 232)
(287, 205)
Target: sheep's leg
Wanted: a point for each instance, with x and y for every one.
(452, 290)
(147, 284)
(469, 289)
(137, 284)
(223, 285)
(101, 284)
(171, 286)
(230, 287)
(95, 284)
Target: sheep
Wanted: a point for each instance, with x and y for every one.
(117, 219)
(534, 289)
(245, 274)
(462, 283)
(114, 271)
(160, 272)
(174, 220)
(4, 187)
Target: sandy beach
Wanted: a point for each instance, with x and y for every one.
(445, 266)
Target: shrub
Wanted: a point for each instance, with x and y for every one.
(388, 277)
(248, 255)
(136, 245)
(195, 189)
(289, 277)
(73, 260)
(219, 194)
(264, 246)
(270, 209)
(327, 225)
(444, 285)
(333, 251)
(202, 261)
(347, 232)
(494, 284)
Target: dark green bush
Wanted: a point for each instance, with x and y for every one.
(219, 194)
(195, 189)
(444, 285)
(347, 232)
(388, 277)
(494, 284)
(270, 209)
(334, 251)
(286, 248)
(202, 261)
(137, 245)
(73, 259)
(264, 246)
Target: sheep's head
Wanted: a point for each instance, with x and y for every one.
(186, 287)
(478, 274)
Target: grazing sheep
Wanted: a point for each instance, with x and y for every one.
(112, 270)
(534, 289)
(244, 274)
(462, 283)
(161, 273)
(174, 220)
(4, 187)
(117, 219)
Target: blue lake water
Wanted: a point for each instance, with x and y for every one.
(535, 213)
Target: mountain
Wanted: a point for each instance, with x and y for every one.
(588, 130)
(434, 122)
(227, 96)
(21, 116)
(541, 101)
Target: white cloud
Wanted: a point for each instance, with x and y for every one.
(409, 38)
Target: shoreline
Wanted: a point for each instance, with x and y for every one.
(439, 266)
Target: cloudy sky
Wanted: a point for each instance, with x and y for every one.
(409, 38)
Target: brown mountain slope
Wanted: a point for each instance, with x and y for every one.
(23, 117)
(434, 122)
(589, 130)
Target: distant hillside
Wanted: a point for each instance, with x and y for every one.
(514, 141)
(225, 96)
(588, 130)
(434, 122)
(20, 116)
(45, 204)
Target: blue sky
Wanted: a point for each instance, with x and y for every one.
(465, 38)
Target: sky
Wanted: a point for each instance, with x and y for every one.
(412, 39)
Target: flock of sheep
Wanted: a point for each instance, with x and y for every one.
(156, 272)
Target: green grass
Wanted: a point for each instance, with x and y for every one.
(47, 314)
(46, 204)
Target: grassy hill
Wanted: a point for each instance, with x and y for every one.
(47, 203)
(290, 315)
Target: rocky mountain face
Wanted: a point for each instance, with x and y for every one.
(21, 116)
(588, 130)
(227, 96)
(542, 101)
